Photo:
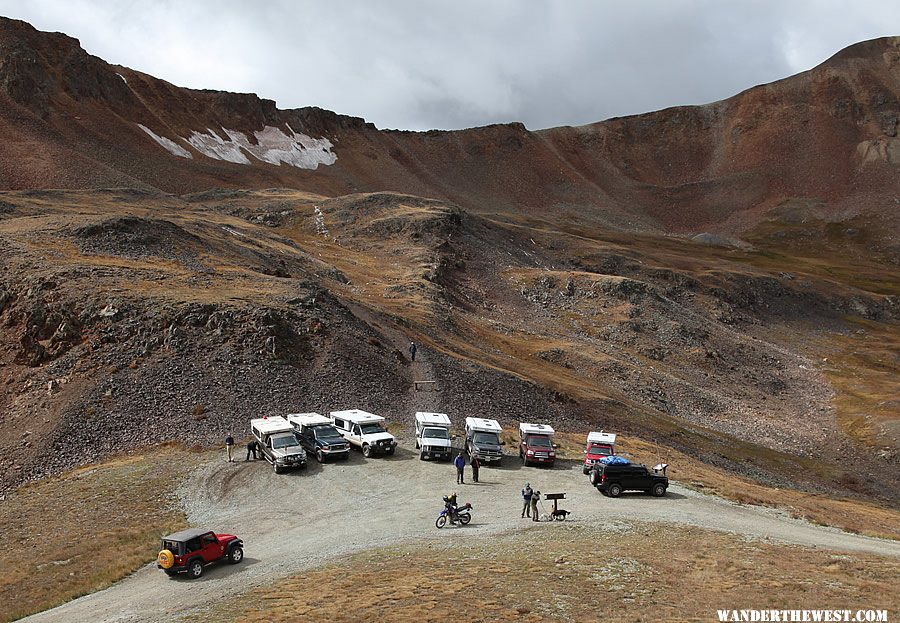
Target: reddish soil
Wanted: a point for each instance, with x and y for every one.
(68, 120)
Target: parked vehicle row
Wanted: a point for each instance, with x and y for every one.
(287, 442)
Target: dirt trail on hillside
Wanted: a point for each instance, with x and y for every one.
(425, 398)
(301, 520)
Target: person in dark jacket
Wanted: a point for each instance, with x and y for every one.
(476, 465)
(412, 350)
(229, 446)
(527, 494)
(460, 463)
(252, 448)
(535, 498)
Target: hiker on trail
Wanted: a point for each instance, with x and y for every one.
(229, 446)
(412, 350)
(527, 494)
(534, 502)
(252, 448)
(460, 463)
(476, 465)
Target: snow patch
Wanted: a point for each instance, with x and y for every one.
(233, 232)
(273, 146)
(173, 148)
(213, 146)
(122, 77)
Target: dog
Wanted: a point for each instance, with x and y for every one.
(560, 514)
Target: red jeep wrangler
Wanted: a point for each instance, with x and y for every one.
(191, 550)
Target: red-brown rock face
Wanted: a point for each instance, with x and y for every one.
(71, 120)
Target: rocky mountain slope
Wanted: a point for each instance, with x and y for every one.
(131, 318)
(71, 120)
(722, 279)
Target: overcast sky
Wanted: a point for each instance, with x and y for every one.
(459, 63)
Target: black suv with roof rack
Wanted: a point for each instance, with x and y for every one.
(612, 480)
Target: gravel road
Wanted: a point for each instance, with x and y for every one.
(299, 520)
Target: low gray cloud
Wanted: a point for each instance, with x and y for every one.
(419, 65)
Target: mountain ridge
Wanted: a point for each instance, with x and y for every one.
(829, 133)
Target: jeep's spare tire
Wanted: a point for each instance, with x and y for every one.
(166, 559)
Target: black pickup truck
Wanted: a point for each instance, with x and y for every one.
(612, 480)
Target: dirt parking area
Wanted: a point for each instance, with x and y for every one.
(297, 522)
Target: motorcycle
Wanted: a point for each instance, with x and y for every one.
(463, 515)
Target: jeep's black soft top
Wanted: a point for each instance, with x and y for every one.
(185, 535)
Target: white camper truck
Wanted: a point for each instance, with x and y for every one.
(277, 443)
(318, 435)
(483, 439)
(599, 445)
(536, 444)
(364, 430)
(433, 435)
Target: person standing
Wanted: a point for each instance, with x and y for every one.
(460, 463)
(412, 350)
(534, 502)
(476, 465)
(229, 446)
(527, 494)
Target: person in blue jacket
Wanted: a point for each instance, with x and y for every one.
(460, 463)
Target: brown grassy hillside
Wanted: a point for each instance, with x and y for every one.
(131, 318)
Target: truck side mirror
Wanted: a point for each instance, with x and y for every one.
(585, 451)
(502, 443)
(556, 445)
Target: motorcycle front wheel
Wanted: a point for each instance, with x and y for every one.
(465, 518)
(441, 521)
